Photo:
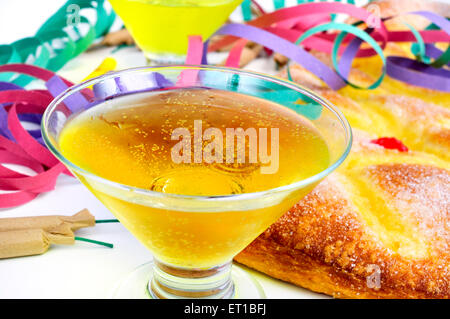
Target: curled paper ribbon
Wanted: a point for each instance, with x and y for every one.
(417, 73)
(424, 72)
(62, 37)
(306, 24)
(294, 52)
(23, 147)
(300, 18)
(126, 84)
(246, 8)
(195, 47)
(231, 82)
(286, 48)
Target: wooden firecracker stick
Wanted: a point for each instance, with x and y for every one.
(81, 219)
(27, 242)
(26, 236)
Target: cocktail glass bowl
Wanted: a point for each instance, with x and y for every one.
(194, 238)
(161, 27)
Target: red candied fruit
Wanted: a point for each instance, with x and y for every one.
(391, 143)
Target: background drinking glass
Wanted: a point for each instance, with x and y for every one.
(161, 27)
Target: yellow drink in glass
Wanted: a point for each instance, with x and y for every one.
(128, 141)
(161, 27)
(156, 152)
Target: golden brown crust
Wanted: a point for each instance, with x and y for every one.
(326, 243)
(383, 212)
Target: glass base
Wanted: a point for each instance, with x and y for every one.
(154, 59)
(138, 285)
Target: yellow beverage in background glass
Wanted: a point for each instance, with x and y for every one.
(136, 133)
(161, 27)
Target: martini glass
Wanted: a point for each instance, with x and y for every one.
(161, 27)
(194, 238)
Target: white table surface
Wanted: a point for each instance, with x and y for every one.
(84, 270)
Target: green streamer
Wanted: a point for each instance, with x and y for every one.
(8, 55)
(420, 45)
(345, 28)
(443, 59)
(278, 4)
(95, 242)
(60, 46)
(362, 35)
(66, 34)
(31, 51)
(416, 50)
(103, 221)
(246, 8)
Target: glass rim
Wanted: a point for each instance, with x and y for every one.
(230, 197)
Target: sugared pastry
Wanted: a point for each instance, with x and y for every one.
(376, 228)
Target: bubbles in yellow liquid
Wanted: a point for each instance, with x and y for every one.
(207, 182)
(128, 140)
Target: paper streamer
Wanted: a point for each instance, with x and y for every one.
(62, 37)
(246, 8)
(418, 73)
(188, 77)
(292, 51)
(127, 84)
(21, 147)
(424, 72)
(306, 24)
(24, 147)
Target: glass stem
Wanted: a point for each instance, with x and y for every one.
(171, 282)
